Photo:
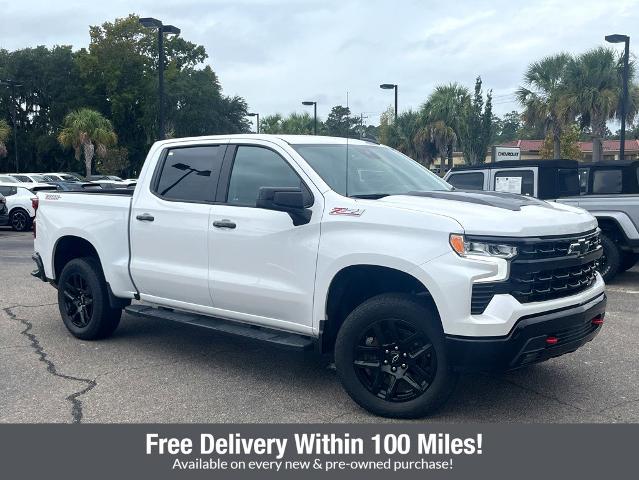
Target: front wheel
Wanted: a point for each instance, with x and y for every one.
(391, 357)
(84, 301)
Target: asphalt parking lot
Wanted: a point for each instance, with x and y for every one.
(157, 371)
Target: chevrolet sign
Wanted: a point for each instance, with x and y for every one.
(506, 153)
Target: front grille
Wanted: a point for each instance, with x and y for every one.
(544, 269)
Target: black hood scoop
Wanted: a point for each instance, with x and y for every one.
(508, 201)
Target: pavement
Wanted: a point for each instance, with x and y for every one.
(157, 371)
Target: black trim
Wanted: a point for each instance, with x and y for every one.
(526, 343)
(39, 271)
(507, 201)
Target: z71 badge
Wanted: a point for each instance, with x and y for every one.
(349, 212)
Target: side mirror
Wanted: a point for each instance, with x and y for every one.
(284, 199)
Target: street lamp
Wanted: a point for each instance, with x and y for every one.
(391, 86)
(162, 29)
(617, 38)
(14, 84)
(257, 125)
(314, 115)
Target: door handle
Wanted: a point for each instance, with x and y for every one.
(145, 217)
(224, 224)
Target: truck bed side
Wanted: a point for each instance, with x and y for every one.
(66, 219)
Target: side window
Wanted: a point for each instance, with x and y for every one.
(606, 181)
(8, 191)
(22, 178)
(584, 174)
(256, 167)
(467, 181)
(190, 174)
(515, 181)
(568, 181)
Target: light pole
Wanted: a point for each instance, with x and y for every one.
(314, 115)
(617, 38)
(162, 29)
(14, 114)
(391, 86)
(257, 124)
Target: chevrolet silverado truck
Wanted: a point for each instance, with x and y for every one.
(609, 190)
(339, 245)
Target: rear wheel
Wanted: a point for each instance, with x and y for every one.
(391, 358)
(84, 302)
(20, 220)
(611, 259)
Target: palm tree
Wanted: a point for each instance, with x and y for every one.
(543, 96)
(447, 104)
(594, 92)
(88, 132)
(409, 136)
(5, 131)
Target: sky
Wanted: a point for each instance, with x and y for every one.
(277, 53)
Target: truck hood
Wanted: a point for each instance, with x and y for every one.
(498, 214)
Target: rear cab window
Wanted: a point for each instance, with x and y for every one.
(190, 174)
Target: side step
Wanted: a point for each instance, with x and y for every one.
(282, 339)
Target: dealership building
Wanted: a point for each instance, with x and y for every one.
(530, 149)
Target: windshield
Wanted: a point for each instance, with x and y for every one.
(374, 171)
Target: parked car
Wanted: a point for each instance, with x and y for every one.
(609, 190)
(19, 199)
(4, 213)
(6, 178)
(329, 243)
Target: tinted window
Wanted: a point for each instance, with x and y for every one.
(606, 181)
(515, 181)
(467, 181)
(191, 174)
(584, 173)
(8, 191)
(256, 167)
(22, 178)
(568, 180)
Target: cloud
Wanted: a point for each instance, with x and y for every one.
(278, 53)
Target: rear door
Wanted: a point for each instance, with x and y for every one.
(263, 266)
(170, 225)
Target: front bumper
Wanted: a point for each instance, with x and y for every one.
(534, 338)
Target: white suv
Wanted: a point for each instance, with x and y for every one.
(19, 205)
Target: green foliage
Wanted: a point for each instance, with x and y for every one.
(116, 76)
(340, 123)
(477, 128)
(87, 132)
(507, 128)
(569, 144)
(114, 162)
(5, 131)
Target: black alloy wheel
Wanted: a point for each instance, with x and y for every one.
(78, 300)
(394, 360)
(20, 221)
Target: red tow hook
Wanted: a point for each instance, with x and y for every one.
(552, 340)
(598, 320)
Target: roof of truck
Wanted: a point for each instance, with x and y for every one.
(290, 139)
(611, 163)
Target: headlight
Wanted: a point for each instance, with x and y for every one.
(464, 247)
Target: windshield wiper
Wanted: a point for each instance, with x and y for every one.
(372, 196)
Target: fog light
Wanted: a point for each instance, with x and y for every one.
(552, 340)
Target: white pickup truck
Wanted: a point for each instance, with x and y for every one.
(341, 245)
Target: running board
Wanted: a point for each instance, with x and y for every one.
(279, 338)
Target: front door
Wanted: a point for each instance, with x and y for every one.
(170, 227)
(263, 266)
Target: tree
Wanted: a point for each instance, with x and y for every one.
(477, 129)
(507, 128)
(569, 144)
(87, 132)
(340, 123)
(594, 92)
(436, 137)
(114, 162)
(447, 104)
(294, 124)
(5, 131)
(543, 96)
